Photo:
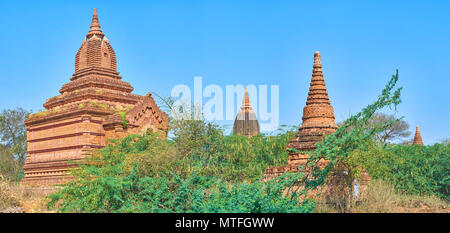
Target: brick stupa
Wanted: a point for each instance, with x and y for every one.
(96, 105)
(246, 122)
(417, 137)
(317, 121)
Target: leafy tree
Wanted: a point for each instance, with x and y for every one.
(9, 167)
(238, 158)
(398, 130)
(13, 132)
(155, 155)
(195, 136)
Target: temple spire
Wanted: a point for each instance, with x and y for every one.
(317, 91)
(317, 66)
(418, 137)
(95, 26)
(246, 122)
(95, 50)
(246, 101)
(318, 114)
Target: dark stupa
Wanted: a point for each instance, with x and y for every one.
(246, 122)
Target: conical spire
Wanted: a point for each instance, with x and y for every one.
(95, 26)
(246, 102)
(246, 122)
(418, 137)
(317, 91)
(95, 50)
(318, 115)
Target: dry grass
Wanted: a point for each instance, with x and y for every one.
(9, 198)
(383, 198)
(16, 198)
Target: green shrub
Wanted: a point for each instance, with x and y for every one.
(105, 184)
(238, 158)
(412, 168)
(155, 155)
(123, 116)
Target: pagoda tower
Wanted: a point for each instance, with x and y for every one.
(246, 122)
(96, 105)
(318, 117)
(417, 137)
(317, 121)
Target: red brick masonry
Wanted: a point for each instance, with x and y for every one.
(86, 114)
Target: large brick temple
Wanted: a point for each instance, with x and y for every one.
(96, 105)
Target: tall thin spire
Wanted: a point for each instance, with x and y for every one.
(318, 114)
(317, 66)
(246, 102)
(95, 26)
(418, 137)
(317, 91)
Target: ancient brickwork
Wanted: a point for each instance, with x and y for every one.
(318, 116)
(246, 122)
(143, 116)
(317, 121)
(96, 105)
(418, 137)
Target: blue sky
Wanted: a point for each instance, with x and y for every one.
(160, 44)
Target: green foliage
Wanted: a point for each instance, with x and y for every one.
(195, 136)
(105, 184)
(411, 168)
(397, 131)
(56, 109)
(123, 116)
(152, 156)
(9, 167)
(97, 104)
(13, 137)
(238, 158)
